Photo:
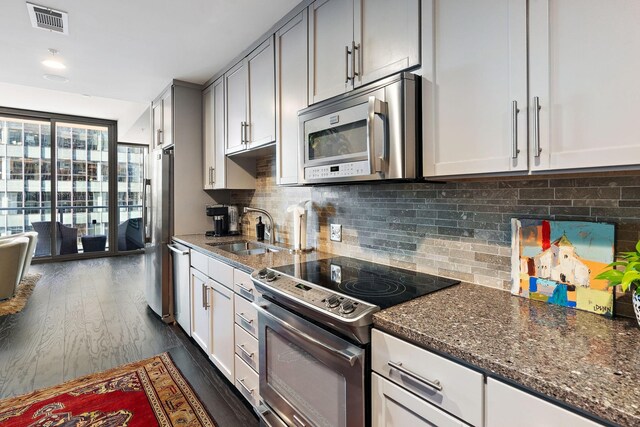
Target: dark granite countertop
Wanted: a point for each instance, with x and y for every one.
(587, 361)
(247, 263)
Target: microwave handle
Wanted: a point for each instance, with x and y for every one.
(377, 147)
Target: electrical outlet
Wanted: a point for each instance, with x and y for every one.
(336, 233)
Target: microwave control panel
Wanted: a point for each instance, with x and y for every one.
(340, 170)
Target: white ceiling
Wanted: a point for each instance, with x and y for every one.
(131, 49)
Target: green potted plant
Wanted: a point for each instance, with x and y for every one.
(627, 278)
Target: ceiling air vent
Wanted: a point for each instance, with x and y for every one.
(48, 19)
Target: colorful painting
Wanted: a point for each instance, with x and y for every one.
(557, 261)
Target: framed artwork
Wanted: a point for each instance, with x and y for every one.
(557, 261)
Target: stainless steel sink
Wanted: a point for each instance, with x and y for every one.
(245, 247)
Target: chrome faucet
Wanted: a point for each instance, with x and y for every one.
(268, 230)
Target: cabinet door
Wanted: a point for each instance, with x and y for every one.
(167, 118)
(475, 87)
(507, 406)
(222, 329)
(157, 124)
(262, 104)
(200, 309)
(330, 38)
(584, 64)
(219, 165)
(236, 103)
(291, 95)
(208, 139)
(392, 406)
(387, 36)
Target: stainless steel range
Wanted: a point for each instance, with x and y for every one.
(314, 322)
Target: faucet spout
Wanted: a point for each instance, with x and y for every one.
(270, 229)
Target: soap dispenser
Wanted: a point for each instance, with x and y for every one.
(260, 230)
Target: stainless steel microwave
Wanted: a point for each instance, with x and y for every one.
(368, 134)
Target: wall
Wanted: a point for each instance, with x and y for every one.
(455, 229)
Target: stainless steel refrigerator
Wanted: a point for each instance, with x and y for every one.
(159, 210)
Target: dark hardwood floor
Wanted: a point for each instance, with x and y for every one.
(88, 316)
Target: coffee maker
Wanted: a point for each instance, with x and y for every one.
(220, 216)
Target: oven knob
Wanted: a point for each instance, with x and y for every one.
(346, 307)
(271, 276)
(262, 273)
(333, 301)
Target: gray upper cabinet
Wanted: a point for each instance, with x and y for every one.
(352, 43)
(250, 100)
(221, 172)
(163, 119)
(291, 95)
(475, 87)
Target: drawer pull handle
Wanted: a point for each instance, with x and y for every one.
(242, 288)
(244, 350)
(435, 384)
(244, 386)
(249, 321)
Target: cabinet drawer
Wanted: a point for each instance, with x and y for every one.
(221, 272)
(247, 381)
(199, 261)
(508, 406)
(460, 391)
(393, 406)
(243, 285)
(247, 348)
(246, 316)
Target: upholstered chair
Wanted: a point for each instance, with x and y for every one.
(33, 240)
(13, 253)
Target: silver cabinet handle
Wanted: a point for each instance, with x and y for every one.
(159, 137)
(176, 250)
(298, 421)
(435, 384)
(246, 133)
(536, 127)
(378, 149)
(241, 316)
(346, 64)
(244, 386)
(245, 289)
(244, 350)
(514, 130)
(204, 296)
(242, 133)
(355, 47)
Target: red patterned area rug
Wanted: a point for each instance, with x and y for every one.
(151, 392)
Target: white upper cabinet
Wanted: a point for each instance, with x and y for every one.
(163, 119)
(386, 36)
(261, 126)
(584, 68)
(291, 95)
(354, 42)
(475, 87)
(250, 100)
(330, 40)
(221, 172)
(236, 102)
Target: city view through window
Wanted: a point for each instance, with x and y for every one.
(81, 175)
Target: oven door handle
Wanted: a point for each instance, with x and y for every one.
(351, 358)
(377, 147)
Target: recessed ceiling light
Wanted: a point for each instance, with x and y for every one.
(53, 62)
(56, 78)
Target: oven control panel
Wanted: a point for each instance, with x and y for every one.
(338, 170)
(320, 298)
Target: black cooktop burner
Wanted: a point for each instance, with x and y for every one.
(377, 284)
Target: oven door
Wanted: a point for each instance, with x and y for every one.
(309, 376)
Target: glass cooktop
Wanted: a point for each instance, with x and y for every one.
(377, 284)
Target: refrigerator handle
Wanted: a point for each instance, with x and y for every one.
(147, 210)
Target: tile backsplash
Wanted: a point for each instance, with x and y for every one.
(455, 229)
